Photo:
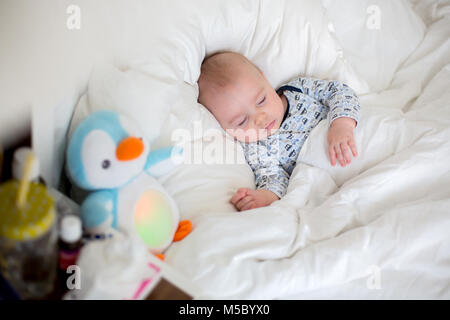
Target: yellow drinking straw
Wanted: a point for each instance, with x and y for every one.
(25, 181)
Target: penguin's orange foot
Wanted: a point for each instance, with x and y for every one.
(184, 228)
(160, 256)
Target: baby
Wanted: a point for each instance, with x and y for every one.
(272, 125)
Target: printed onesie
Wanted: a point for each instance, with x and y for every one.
(309, 101)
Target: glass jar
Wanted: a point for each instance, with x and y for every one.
(1, 161)
(28, 240)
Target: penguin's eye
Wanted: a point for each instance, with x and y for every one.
(106, 164)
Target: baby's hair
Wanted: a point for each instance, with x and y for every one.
(216, 69)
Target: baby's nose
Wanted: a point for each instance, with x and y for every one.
(260, 119)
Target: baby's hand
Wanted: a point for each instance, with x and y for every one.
(340, 140)
(245, 198)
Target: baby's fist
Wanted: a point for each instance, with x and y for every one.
(341, 142)
(246, 199)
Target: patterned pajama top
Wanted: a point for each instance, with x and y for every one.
(309, 101)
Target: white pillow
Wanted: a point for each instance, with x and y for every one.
(376, 36)
(144, 97)
(285, 38)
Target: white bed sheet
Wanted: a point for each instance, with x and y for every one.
(383, 234)
(376, 229)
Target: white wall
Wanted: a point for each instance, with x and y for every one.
(43, 63)
(45, 66)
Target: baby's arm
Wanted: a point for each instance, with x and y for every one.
(344, 114)
(246, 198)
(344, 108)
(340, 99)
(271, 185)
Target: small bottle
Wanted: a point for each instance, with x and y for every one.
(70, 242)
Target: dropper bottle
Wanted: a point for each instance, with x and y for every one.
(70, 241)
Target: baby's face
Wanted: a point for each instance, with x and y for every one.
(249, 109)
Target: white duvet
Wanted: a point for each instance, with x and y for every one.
(379, 228)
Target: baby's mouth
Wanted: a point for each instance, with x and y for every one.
(270, 125)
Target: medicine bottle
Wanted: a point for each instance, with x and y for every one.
(70, 241)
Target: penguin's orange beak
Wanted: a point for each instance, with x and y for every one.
(129, 149)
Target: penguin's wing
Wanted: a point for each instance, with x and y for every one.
(98, 210)
(162, 161)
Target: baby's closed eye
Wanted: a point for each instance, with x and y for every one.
(261, 102)
(243, 121)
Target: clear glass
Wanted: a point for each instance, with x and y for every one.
(1, 160)
(31, 266)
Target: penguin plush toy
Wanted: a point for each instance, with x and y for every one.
(109, 155)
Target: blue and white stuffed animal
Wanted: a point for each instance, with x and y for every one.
(109, 155)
